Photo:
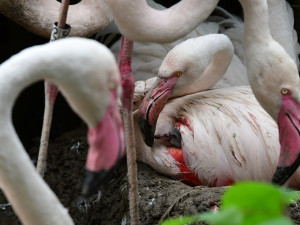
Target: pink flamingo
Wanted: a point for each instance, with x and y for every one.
(205, 137)
(91, 86)
(145, 23)
(198, 11)
(274, 79)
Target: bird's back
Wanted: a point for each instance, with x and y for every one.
(226, 135)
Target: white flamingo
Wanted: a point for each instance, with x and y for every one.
(91, 16)
(139, 22)
(274, 79)
(91, 85)
(209, 137)
(147, 57)
(146, 28)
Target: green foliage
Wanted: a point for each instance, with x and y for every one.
(247, 203)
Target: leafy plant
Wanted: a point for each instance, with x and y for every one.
(247, 203)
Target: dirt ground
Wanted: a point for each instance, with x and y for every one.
(160, 197)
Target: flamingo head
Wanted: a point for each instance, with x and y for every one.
(153, 104)
(93, 96)
(105, 136)
(289, 137)
(192, 66)
(106, 147)
(276, 85)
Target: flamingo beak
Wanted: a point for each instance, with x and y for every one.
(106, 142)
(152, 105)
(289, 137)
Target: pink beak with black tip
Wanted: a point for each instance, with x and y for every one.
(106, 142)
(289, 137)
(153, 104)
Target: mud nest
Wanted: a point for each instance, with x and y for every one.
(160, 197)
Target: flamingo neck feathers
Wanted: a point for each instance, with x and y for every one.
(16, 74)
(33, 201)
(31, 198)
(269, 67)
(203, 66)
(139, 22)
(281, 23)
(256, 23)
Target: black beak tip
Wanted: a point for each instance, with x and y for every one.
(147, 131)
(90, 183)
(281, 175)
(93, 180)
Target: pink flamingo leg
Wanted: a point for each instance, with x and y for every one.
(51, 91)
(127, 77)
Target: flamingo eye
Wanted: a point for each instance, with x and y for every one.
(178, 74)
(284, 91)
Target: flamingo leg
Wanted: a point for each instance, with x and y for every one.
(51, 91)
(124, 62)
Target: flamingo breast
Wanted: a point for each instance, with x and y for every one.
(226, 137)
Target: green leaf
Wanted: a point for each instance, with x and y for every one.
(290, 195)
(247, 203)
(182, 220)
(229, 216)
(278, 221)
(258, 202)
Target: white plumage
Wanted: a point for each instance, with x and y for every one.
(226, 135)
(84, 81)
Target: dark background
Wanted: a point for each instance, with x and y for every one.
(29, 107)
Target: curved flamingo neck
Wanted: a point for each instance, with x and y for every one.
(207, 61)
(139, 22)
(33, 201)
(14, 78)
(213, 73)
(31, 198)
(281, 25)
(256, 22)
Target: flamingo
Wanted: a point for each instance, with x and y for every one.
(198, 11)
(89, 17)
(204, 137)
(147, 56)
(91, 86)
(141, 22)
(274, 79)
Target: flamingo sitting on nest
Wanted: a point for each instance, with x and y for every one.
(209, 137)
(91, 85)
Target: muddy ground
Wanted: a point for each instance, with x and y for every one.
(160, 197)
